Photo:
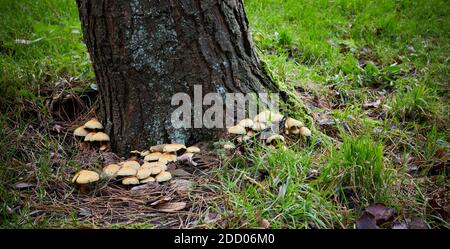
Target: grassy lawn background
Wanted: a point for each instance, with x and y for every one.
(338, 57)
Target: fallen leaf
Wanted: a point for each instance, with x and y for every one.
(180, 172)
(366, 221)
(171, 207)
(181, 185)
(149, 185)
(381, 213)
(417, 223)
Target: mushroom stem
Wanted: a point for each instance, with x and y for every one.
(82, 188)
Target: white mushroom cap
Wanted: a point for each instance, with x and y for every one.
(157, 148)
(173, 147)
(167, 157)
(127, 171)
(100, 137)
(193, 149)
(111, 170)
(88, 137)
(131, 163)
(268, 116)
(246, 123)
(132, 180)
(80, 132)
(258, 126)
(304, 131)
(148, 179)
(274, 138)
(152, 156)
(85, 177)
(237, 129)
(93, 124)
(163, 176)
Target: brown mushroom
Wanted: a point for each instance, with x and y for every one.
(157, 148)
(304, 131)
(167, 158)
(131, 180)
(93, 124)
(102, 138)
(268, 117)
(275, 139)
(163, 176)
(246, 123)
(84, 177)
(237, 129)
(154, 156)
(111, 170)
(293, 126)
(148, 179)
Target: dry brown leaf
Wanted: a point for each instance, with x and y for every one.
(171, 207)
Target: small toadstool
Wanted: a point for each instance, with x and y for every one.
(80, 132)
(237, 129)
(246, 123)
(167, 158)
(131, 163)
(154, 156)
(84, 177)
(131, 180)
(293, 126)
(102, 138)
(304, 131)
(148, 179)
(157, 148)
(93, 124)
(111, 170)
(163, 176)
(274, 139)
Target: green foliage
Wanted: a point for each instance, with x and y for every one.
(393, 49)
(283, 195)
(417, 102)
(358, 171)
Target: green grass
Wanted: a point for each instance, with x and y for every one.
(55, 51)
(341, 54)
(358, 172)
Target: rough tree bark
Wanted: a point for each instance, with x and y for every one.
(144, 51)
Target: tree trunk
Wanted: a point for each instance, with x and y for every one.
(145, 51)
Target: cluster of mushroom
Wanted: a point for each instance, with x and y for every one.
(249, 128)
(91, 132)
(131, 172)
